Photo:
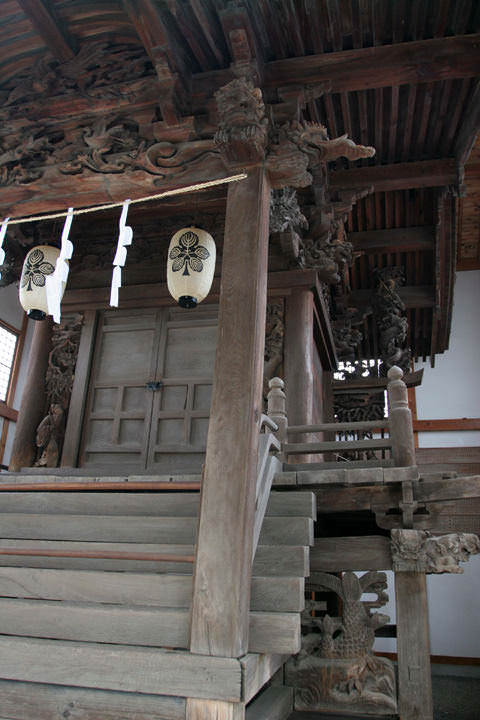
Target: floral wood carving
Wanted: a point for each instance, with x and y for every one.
(336, 668)
(59, 381)
(420, 551)
(389, 314)
(243, 126)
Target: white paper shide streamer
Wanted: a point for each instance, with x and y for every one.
(56, 282)
(3, 230)
(125, 238)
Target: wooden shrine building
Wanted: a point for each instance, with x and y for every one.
(148, 569)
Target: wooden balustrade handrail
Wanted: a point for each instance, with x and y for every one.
(368, 425)
(101, 486)
(335, 446)
(266, 421)
(99, 555)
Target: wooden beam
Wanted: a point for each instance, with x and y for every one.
(399, 176)
(405, 63)
(413, 296)
(8, 412)
(340, 554)
(469, 128)
(365, 384)
(394, 240)
(450, 425)
(44, 23)
(225, 536)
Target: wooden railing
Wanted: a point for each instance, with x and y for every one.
(399, 442)
(267, 467)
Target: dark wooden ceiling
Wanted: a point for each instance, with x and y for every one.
(399, 75)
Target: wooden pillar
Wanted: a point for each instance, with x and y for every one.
(32, 407)
(298, 354)
(299, 357)
(221, 599)
(413, 647)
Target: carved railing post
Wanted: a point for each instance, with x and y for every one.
(277, 407)
(400, 420)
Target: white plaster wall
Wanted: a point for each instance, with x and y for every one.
(452, 388)
(12, 312)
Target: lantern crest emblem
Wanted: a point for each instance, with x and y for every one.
(35, 270)
(188, 253)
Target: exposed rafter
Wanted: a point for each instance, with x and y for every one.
(394, 240)
(41, 17)
(398, 176)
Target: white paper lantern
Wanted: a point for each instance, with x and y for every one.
(38, 265)
(190, 266)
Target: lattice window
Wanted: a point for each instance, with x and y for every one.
(8, 345)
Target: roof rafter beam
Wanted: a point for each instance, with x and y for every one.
(44, 23)
(400, 64)
(398, 176)
(396, 239)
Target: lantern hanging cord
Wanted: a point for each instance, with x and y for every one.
(147, 198)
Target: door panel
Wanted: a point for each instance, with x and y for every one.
(137, 429)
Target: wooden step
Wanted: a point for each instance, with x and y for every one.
(37, 701)
(121, 668)
(274, 703)
(270, 560)
(139, 529)
(164, 504)
(285, 594)
(135, 625)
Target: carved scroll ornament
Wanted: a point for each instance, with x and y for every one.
(420, 551)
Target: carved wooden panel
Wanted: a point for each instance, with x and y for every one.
(149, 399)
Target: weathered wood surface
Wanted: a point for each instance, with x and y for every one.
(71, 443)
(270, 560)
(400, 420)
(108, 667)
(298, 358)
(33, 398)
(139, 529)
(134, 625)
(338, 427)
(276, 703)
(401, 176)
(257, 670)
(413, 647)
(225, 536)
(351, 553)
(402, 239)
(320, 447)
(36, 701)
(213, 710)
(285, 594)
(402, 63)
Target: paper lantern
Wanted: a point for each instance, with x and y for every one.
(38, 265)
(191, 265)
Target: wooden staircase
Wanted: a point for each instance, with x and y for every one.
(95, 597)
